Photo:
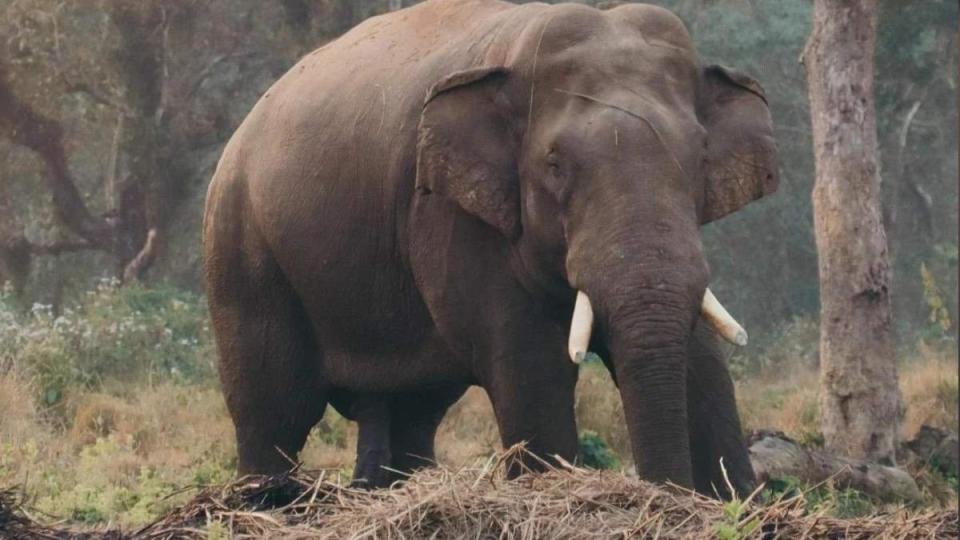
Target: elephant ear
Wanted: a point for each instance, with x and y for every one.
(466, 147)
(741, 159)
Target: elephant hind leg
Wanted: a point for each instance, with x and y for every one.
(714, 422)
(268, 359)
(416, 417)
(396, 431)
(372, 412)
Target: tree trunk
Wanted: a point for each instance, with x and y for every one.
(859, 394)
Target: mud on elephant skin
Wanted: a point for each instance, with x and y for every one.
(473, 192)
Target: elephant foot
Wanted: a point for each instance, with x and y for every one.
(373, 443)
(372, 470)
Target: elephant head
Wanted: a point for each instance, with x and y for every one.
(597, 146)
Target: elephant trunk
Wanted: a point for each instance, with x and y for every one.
(641, 276)
(647, 339)
(644, 293)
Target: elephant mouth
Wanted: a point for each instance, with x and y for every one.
(581, 324)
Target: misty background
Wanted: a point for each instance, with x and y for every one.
(145, 94)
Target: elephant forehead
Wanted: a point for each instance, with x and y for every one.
(644, 53)
(567, 24)
(660, 26)
(623, 63)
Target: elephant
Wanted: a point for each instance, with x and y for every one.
(473, 192)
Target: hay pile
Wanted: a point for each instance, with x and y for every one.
(566, 502)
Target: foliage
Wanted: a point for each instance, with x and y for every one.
(732, 526)
(939, 318)
(97, 499)
(595, 453)
(946, 469)
(838, 502)
(216, 530)
(112, 334)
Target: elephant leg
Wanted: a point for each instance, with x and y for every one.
(374, 418)
(714, 422)
(416, 417)
(531, 386)
(267, 362)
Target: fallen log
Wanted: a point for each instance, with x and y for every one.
(776, 456)
(936, 448)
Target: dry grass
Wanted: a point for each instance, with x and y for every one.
(20, 421)
(116, 455)
(787, 401)
(478, 502)
(785, 395)
(117, 458)
(929, 386)
(469, 431)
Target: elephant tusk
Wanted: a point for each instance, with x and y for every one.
(580, 328)
(721, 321)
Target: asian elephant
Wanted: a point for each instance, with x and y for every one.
(472, 192)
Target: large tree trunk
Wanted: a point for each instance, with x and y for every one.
(859, 394)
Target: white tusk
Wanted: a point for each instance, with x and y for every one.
(721, 321)
(580, 328)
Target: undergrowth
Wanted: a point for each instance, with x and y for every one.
(839, 502)
(113, 335)
(110, 406)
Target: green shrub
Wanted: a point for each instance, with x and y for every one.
(94, 497)
(841, 503)
(939, 322)
(595, 453)
(732, 527)
(120, 333)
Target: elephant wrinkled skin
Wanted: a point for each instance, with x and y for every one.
(413, 208)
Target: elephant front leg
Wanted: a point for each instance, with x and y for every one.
(531, 386)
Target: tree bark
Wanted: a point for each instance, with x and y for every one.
(859, 394)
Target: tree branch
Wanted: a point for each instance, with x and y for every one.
(924, 198)
(24, 126)
(137, 267)
(58, 248)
